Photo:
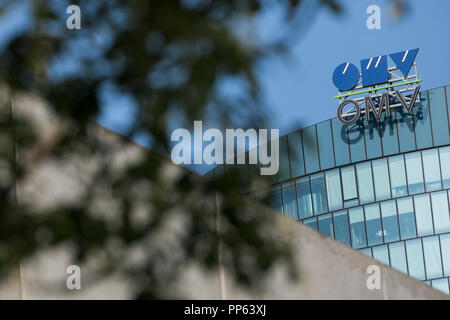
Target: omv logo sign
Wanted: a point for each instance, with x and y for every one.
(384, 87)
(373, 70)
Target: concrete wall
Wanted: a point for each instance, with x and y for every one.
(328, 269)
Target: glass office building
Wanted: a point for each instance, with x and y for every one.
(381, 187)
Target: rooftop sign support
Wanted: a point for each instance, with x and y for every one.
(385, 86)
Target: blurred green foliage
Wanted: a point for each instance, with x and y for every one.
(169, 57)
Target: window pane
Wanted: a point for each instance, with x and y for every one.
(373, 224)
(447, 89)
(357, 228)
(381, 179)
(398, 179)
(334, 189)
(440, 212)
(389, 138)
(367, 252)
(318, 193)
(398, 258)
(406, 218)
(349, 186)
(439, 123)
(341, 154)
(310, 149)
(365, 182)
(284, 171)
(422, 122)
(445, 249)
(444, 155)
(311, 222)
(431, 170)
(356, 136)
(405, 126)
(441, 285)
(325, 145)
(372, 137)
(296, 154)
(341, 227)
(390, 223)
(304, 197)
(381, 254)
(414, 172)
(275, 199)
(349, 182)
(326, 225)
(432, 257)
(423, 215)
(415, 259)
(290, 201)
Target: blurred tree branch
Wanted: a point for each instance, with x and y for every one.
(170, 57)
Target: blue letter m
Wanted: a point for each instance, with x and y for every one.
(374, 71)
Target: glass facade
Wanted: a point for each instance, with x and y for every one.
(381, 187)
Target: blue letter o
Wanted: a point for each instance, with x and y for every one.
(347, 80)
